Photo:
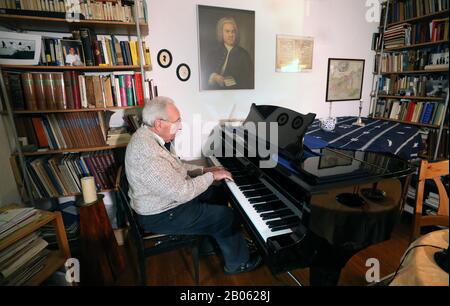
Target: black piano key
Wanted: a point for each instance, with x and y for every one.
(263, 199)
(269, 206)
(283, 221)
(276, 214)
(251, 187)
(283, 227)
(259, 192)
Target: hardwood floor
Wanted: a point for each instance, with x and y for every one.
(176, 268)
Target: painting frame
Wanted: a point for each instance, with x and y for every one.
(226, 62)
(352, 71)
(66, 45)
(291, 48)
(20, 48)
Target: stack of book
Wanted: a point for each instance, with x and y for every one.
(22, 260)
(13, 219)
(117, 136)
(133, 122)
(397, 36)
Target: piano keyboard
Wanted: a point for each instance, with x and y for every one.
(270, 213)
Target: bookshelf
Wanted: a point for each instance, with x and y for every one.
(72, 130)
(410, 83)
(56, 258)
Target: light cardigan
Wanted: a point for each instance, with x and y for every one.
(158, 179)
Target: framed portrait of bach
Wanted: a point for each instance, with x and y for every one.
(226, 48)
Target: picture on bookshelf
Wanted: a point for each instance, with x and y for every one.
(227, 48)
(19, 49)
(73, 52)
(344, 79)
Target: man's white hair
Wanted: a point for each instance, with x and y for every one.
(156, 109)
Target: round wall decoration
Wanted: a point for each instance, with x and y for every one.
(183, 72)
(164, 58)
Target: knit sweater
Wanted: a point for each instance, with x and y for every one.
(158, 179)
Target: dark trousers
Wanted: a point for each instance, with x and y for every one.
(204, 215)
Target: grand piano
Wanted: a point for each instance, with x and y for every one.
(311, 207)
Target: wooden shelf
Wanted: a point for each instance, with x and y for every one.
(48, 24)
(56, 258)
(50, 111)
(412, 98)
(421, 45)
(415, 19)
(74, 150)
(409, 122)
(54, 261)
(79, 68)
(72, 194)
(416, 72)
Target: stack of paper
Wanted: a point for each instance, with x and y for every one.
(13, 219)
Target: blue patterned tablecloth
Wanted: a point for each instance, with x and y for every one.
(376, 136)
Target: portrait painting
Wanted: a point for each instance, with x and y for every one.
(73, 52)
(227, 48)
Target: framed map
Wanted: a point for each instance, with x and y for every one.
(294, 53)
(345, 79)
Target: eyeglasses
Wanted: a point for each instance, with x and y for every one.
(173, 122)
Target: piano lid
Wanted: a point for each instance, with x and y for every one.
(292, 127)
(332, 166)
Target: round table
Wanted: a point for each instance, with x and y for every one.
(419, 267)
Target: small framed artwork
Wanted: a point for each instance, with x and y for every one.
(183, 72)
(73, 52)
(344, 79)
(164, 58)
(294, 53)
(19, 48)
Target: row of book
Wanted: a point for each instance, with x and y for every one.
(63, 130)
(74, 90)
(60, 175)
(111, 10)
(422, 59)
(22, 260)
(411, 111)
(422, 86)
(431, 144)
(84, 48)
(407, 9)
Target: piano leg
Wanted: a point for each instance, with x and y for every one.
(328, 263)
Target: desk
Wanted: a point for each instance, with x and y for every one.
(376, 136)
(419, 267)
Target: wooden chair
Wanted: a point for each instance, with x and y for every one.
(432, 171)
(149, 244)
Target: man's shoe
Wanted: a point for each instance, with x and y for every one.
(251, 264)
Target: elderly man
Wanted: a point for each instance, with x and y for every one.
(171, 197)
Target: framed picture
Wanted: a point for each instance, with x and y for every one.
(344, 79)
(19, 49)
(294, 53)
(183, 72)
(334, 159)
(227, 48)
(164, 58)
(73, 52)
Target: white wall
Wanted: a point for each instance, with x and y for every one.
(339, 28)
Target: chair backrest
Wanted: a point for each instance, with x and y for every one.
(432, 171)
(123, 187)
